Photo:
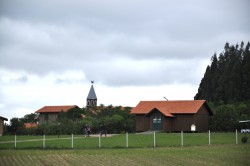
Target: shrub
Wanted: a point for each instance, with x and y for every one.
(244, 139)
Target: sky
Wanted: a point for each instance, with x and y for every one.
(133, 50)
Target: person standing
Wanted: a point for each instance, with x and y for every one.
(103, 130)
(87, 130)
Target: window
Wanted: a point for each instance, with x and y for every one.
(157, 119)
(46, 117)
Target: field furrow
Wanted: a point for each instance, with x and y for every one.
(4, 160)
(31, 160)
(193, 155)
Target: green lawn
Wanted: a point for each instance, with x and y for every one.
(190, 155)
(58, 151)
(119, 141)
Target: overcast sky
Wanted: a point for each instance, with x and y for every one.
(133, 49)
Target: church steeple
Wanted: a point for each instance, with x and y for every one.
(91, 99)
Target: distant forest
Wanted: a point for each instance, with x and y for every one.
(227, 79)
(226, 87)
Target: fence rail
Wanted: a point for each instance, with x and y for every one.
(150, 139)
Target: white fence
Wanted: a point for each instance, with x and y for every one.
(127, 140)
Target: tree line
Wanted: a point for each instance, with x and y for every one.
(116, 119)
(227, 79)
(226, 87)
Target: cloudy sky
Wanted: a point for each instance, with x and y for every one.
(133, 49)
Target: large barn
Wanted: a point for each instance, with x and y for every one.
(172, 116)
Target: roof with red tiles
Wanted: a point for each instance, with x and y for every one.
(169, 108)
(50, 109)
(30, 125)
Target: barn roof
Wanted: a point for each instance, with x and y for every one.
(3, 118)
(50, 109)
(30, 125)
(169, 108)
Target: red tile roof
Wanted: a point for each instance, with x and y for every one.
(30, 125)
(169, 108)
(55, 108)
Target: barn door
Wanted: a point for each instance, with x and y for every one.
(157, 123)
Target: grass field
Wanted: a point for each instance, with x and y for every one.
(118, 141)
(189, 155)
(58, 151)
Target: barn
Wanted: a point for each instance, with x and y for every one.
(2, 119)
(49, 114)
(172, 116)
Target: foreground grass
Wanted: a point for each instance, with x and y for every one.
(190, 155)
(118, 141)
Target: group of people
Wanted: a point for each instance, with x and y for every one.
(102, 128)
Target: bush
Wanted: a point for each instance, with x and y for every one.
(244, 139)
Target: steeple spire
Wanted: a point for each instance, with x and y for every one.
(91, 99)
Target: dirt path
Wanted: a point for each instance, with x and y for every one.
(97, 135)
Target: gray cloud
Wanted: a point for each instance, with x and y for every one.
(20, 79)
(119, 43)
(48, 44)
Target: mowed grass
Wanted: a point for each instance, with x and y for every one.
(168, 151)
(190, 155)
(119, 141)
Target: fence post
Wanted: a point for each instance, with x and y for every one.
(44, 141)
(209, 140)
(99, 140)
(236, 135)
(15, 140)
(127, 139)
(72, 141)
(154, 139)
(182, 138)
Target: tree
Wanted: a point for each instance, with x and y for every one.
(225, 118)
(16, 126)
(30, 118)
(226, 86)
(227, 79)
(75, 113)
(246, 72)
(117, 119)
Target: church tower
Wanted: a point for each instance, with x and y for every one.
(92, 99)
